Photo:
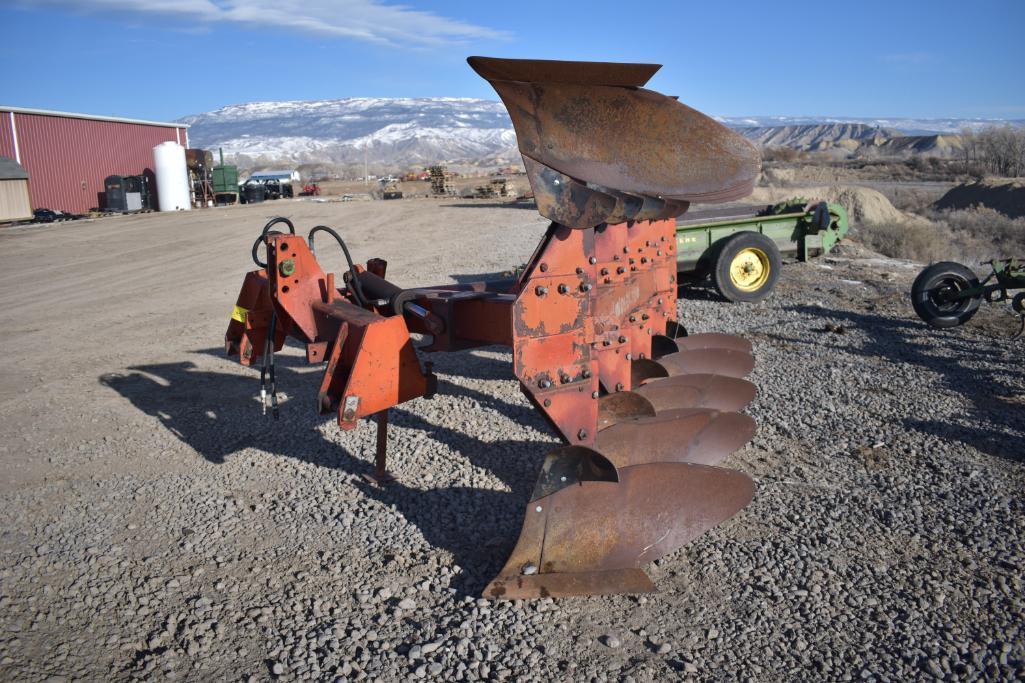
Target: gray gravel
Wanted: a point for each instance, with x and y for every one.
(190, 538)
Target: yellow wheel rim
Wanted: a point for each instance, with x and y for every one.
(749, 269)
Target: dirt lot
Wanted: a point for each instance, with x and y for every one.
(156, 525)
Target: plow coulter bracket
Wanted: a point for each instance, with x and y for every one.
(645, 411)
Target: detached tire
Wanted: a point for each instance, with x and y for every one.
(747, 267)
(932, 290)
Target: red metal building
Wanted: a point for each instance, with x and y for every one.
(68, 156)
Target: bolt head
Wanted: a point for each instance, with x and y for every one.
(582, 434)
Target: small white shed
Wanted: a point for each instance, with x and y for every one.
(14, 200)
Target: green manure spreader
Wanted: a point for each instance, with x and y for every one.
(742, 248)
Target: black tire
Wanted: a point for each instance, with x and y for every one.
(935, 283)
(767, 262)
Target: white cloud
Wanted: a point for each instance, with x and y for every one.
(369, 20)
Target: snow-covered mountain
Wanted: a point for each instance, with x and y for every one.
(386, 130)
(427, 130)
(907, 126)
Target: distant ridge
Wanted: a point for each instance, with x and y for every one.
(419, 131)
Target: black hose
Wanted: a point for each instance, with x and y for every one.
(274, 221)
(357, 288)
(267, 231)
(256, 247)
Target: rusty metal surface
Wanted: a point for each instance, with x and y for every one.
(631, 140)
(570, 465)
(616, 581)
(708, 361)
(624, 405)
(693, 435)
(555, 71)
(652, 510)
(698, 391)
(713, 340)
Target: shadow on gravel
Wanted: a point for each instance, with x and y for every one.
(492, 205)
(993, 420)
(700, 290)
(215, 414)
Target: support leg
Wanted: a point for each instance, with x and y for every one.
(381, 475)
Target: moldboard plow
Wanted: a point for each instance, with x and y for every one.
(645, 411)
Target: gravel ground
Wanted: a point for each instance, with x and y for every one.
(156, 525)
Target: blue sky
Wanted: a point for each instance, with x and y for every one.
(163, 59)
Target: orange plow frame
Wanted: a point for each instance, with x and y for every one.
(645, 412)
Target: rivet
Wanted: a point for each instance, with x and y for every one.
(562, 478)
(626, 250)
(582, 434)
(585, 373)
(604, 271)
(594, 394)
(649, 330)
(544, 384)
(619, 386)
(616, 257)
(606, 342)
(563, 289)
(644, 316)
(592, 260)
(540, 291)
(633, 318)
(548, 402)
(586, 287)
(622, 340)
(658, 253)
(641, 356)
(544, 267)
(644, 259)
(580, 271)
(621, 270)
(539, 508)
(660, 301)
(565, 379)
(629, 356)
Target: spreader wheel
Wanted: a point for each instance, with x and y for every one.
(747, 267)
(936, 294)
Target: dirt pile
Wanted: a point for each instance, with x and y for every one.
(1006, 195)
(863, 204)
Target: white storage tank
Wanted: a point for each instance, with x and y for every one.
(172, 177)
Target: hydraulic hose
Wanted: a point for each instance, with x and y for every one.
(267, 231)
(357, 289)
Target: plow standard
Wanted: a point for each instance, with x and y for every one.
(644, 410)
